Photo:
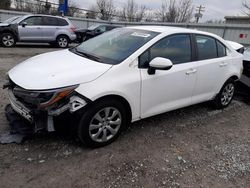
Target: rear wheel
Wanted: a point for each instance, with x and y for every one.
(8, 40)
(102, 123)
(226, 94)
(62, 41)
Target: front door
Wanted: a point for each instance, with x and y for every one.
(30, 29)
(168, 89)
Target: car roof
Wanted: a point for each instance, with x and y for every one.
(171, 30)
(28, 15)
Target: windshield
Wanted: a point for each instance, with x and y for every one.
(93, 27)
(116, 45)
(12, 19)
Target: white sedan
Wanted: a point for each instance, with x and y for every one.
(124, 75)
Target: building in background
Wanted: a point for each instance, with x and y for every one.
(237, 19)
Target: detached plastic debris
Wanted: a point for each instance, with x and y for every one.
(19, 127)
(8, 138)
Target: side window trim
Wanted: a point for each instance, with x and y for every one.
(192, 45)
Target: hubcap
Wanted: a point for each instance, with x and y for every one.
(8, 40)
(63, 42)
(227, 94)
(105, 124)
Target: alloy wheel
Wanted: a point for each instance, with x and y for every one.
(63, 42)
(8, 40)
(105, 124)
(227, 94)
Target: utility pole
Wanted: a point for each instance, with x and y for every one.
(199, 11)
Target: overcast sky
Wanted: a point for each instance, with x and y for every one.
(215, 9)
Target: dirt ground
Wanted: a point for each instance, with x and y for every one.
(191, 147)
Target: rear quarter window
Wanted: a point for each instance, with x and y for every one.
(62, 22)
(222, 51)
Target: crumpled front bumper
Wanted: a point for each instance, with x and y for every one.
(44, 119)
(20, 108)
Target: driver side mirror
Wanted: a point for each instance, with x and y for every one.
(159, 63)
(24, 24)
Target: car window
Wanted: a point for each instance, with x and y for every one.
(177, 48)
(110, 28)
(50, 21)
(101, 29)
(221, 49)
(206, 47)
(62, 22)
(35, 20)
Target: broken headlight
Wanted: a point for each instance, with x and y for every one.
(42, 99)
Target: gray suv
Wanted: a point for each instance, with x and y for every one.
(57, 31)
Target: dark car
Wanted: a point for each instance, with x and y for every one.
(8, 34)
(246, 62)
(92, 31)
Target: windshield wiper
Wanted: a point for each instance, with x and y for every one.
(87, 55)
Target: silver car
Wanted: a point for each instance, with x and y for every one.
(57, 31)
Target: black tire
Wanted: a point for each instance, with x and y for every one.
(62, 41)
(225, 96)
(8, 40)
(91, 130)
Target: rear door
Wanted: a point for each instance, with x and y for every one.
(211, 67)
(30, 29)
(50, 28)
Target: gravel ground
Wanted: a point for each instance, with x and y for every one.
(191, 147)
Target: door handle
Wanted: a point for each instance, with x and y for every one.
(191, 71)
(38, 27)
(223, 64)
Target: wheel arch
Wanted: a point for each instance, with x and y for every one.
(11, 32)
(118, 98)
(62, 34)
(233, 77)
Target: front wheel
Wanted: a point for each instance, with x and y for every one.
(8, 40)
(226, 94)
(62, 41)
(102, 123)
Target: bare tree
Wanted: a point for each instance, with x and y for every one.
(19, 4)
(92, 13)
(73, 8)
(132, 12)
(105, 8)
(185, 10)
(162, 13)
(246, 7)
(5, 4)
(172, 14)
(176, 11)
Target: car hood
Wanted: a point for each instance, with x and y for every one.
(4, 24)
(55, 70)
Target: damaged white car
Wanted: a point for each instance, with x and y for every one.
(124, 75)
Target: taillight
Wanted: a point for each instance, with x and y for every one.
(73, 29)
